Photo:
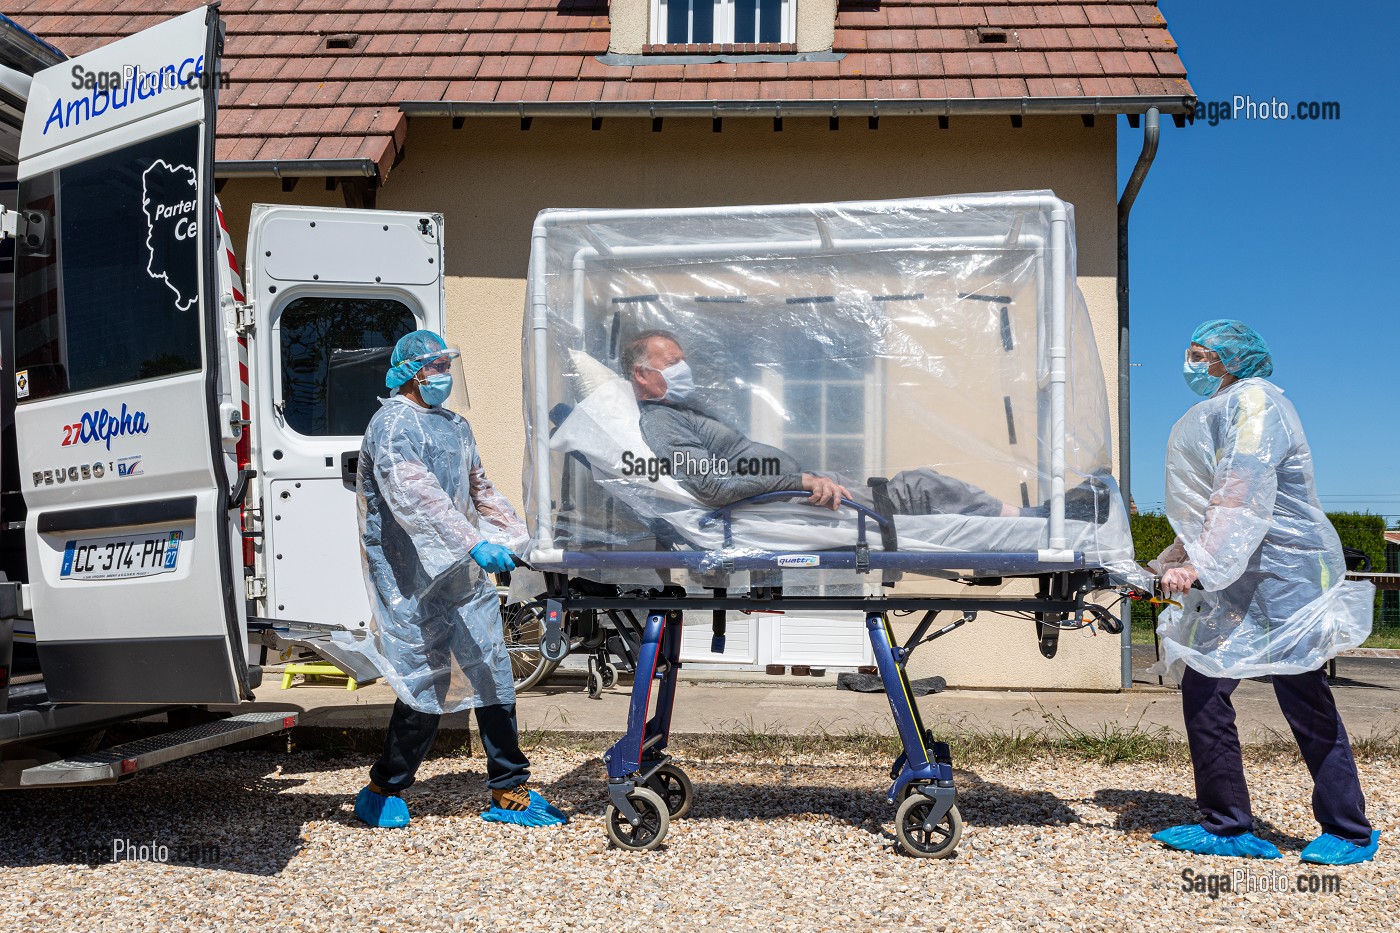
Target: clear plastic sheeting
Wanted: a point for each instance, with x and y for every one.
(425, 501)
(933, 358)
(1240, 496)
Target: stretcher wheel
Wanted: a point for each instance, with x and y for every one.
(673, 786)
(918, 842)
(595, 680)
(656, 820)
(609, 675)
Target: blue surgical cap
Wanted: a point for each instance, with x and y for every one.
(405, 362)
(1238, 345)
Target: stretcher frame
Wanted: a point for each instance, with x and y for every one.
(645, 788)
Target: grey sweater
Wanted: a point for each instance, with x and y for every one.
(684, 437)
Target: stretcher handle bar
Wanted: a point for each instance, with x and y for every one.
(724, 512)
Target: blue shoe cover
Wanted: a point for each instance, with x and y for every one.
(380, 811)
(540, 813)
(1195, 838)
(1327, 849)
(537, 802)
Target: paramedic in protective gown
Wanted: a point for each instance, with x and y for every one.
(432, 526)
(1272, 598)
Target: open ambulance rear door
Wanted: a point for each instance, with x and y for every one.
(331, 291)
(126, 376)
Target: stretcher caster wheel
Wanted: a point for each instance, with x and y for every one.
(595, 680)
(647, 834)
(608, 675)
(673, 786)
(919, 842)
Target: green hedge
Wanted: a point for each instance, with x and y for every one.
(1152, 533)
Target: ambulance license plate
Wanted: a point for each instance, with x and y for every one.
(139, 555)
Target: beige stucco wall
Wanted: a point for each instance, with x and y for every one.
(630, 22)
(631, 25)
(490, 178)
(816, 25)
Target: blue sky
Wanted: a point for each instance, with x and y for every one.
(1287, 225)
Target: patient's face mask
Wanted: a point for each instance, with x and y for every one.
(680, 383)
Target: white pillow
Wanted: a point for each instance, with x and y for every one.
(607, 424)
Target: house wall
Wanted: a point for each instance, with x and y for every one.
(490, 178)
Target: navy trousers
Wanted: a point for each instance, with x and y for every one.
(411, 735)
(1307, 703)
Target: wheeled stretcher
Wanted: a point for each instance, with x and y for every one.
(647, 790)
(941, 338)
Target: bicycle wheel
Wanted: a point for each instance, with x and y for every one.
(524, 627)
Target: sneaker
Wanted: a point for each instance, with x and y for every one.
(512, 798)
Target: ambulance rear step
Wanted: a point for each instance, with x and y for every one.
(122, 762)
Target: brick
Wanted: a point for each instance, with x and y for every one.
(957, 63)
(1116, 63)
(1168, 63)
(1061, 63)
(484, 91)
(904, 64)
(985, 87)
(982, 63)
(1138, 63)
(785, 90)
(959, 88)
(1095, 86)
(1033, 63)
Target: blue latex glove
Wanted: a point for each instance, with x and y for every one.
(492, 557)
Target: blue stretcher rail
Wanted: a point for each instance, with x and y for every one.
(975, 563)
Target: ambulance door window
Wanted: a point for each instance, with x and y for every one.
(335, 351)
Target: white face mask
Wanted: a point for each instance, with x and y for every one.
(679, 381)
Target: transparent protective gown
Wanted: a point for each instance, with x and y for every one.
(425, 501)
(939, 344)
(1240, 496)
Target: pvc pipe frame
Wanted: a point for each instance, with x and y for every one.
(1055, 256)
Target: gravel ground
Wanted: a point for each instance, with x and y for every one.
(263, 841)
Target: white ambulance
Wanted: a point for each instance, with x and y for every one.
(178, 486)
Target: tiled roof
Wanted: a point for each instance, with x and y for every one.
(291, 98)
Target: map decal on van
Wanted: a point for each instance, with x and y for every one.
(170, 199)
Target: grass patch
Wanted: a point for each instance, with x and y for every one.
(1388, 637)
(747, 741)
(1111, 743)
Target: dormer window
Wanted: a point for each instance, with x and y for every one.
(722, 22)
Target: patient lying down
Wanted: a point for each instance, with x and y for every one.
(691, 443)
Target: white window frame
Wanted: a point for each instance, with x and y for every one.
(767, 422)
(724, 22)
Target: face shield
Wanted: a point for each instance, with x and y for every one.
(441, 379)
